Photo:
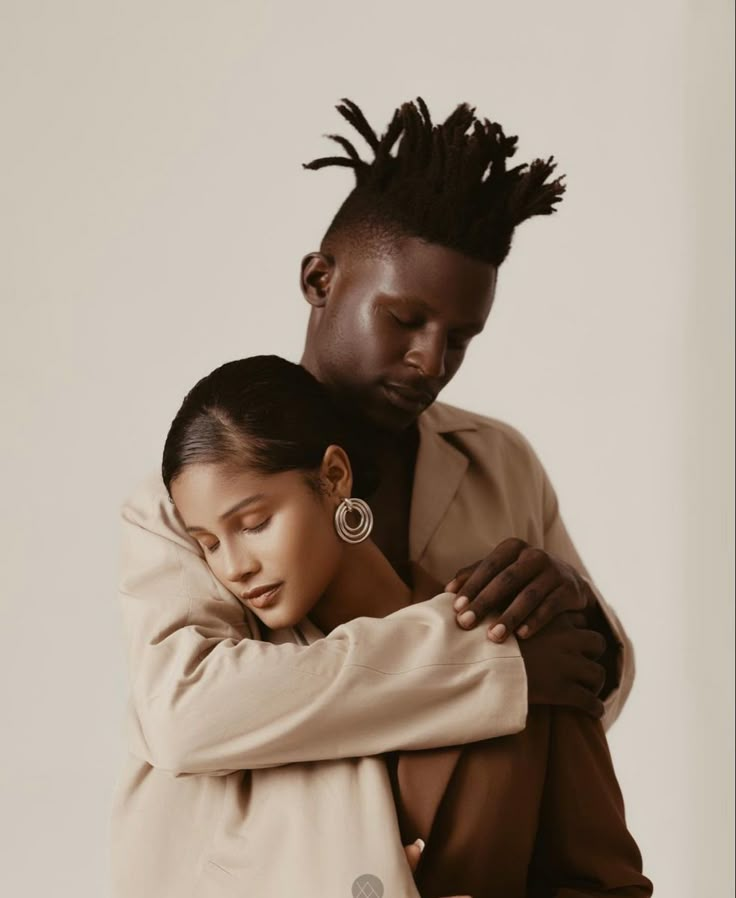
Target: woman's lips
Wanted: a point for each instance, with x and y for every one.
(266, 598)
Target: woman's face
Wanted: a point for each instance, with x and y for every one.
(259, 531)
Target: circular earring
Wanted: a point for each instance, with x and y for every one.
(347, 532)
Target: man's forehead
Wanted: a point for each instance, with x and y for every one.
(427, 272)
(464, 296)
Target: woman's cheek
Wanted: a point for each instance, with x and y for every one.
(321, 551)
(293, 540)
(279, 544)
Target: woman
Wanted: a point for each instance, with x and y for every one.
(267, 480)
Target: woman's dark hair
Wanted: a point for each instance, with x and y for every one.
(443, 185)
(268, 415)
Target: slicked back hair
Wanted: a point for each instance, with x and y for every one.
(443, 185)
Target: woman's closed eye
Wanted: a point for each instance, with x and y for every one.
(257, 529)
(262, 526)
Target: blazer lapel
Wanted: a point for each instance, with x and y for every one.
(438, 471)
(423, 776)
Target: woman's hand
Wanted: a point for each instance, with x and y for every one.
(414, 852)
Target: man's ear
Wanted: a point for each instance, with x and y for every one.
(336, 471)
(316, 274)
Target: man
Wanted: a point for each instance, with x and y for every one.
(404, 278)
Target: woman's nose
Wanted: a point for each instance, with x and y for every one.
(239, 564)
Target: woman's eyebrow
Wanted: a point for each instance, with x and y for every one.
(249, 500)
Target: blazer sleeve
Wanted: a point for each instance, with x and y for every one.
(208, 697)
(557, 542)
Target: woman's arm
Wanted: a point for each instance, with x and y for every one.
(206, 697)
(583, 845)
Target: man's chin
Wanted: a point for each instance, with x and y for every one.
(392, 416)
(381, 409)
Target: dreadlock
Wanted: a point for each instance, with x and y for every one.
(442, 185)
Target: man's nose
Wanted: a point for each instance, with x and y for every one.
(428, 354)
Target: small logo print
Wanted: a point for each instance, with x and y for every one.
(367, 886)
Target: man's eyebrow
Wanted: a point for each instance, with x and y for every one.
(407, 300)
(249, 500)
(472, 329)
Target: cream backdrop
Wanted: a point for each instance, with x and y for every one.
(154, 214)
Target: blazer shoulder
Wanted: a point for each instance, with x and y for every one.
(146, 492)
(147, 505)
(450, 418)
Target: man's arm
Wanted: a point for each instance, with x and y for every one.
(208, 698)
(526, 593)
(619, 657)
(583, 846)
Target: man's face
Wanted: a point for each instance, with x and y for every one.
(389, 333)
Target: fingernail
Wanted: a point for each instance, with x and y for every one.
(460, 603)
(466, 619)
(523, 631)
(420, 844)
(498, 632)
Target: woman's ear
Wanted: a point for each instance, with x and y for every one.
(336, 472)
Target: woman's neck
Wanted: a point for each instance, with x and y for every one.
(365, 586)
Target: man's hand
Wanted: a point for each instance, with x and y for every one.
(561, 665)
(528, 586)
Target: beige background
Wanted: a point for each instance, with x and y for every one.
(154, 213)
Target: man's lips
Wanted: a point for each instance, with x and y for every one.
(262, 596)
(409, 396)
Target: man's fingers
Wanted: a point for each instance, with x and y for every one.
(589, 643)
(500, 589)
(504, 554)
(577, 619)
(584, 700)
(591, 675)
(557, 602)
(533, 598)
(539, 618)
(461, 577)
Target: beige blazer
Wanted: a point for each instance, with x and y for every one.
(253, 766)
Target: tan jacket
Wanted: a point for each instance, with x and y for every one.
(254, 767)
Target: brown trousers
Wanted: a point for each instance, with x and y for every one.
(534, 815)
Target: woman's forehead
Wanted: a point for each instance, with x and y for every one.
(206, 494)
(205, 486)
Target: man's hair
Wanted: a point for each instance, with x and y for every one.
(443, 185)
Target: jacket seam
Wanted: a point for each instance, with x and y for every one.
(393, 673)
